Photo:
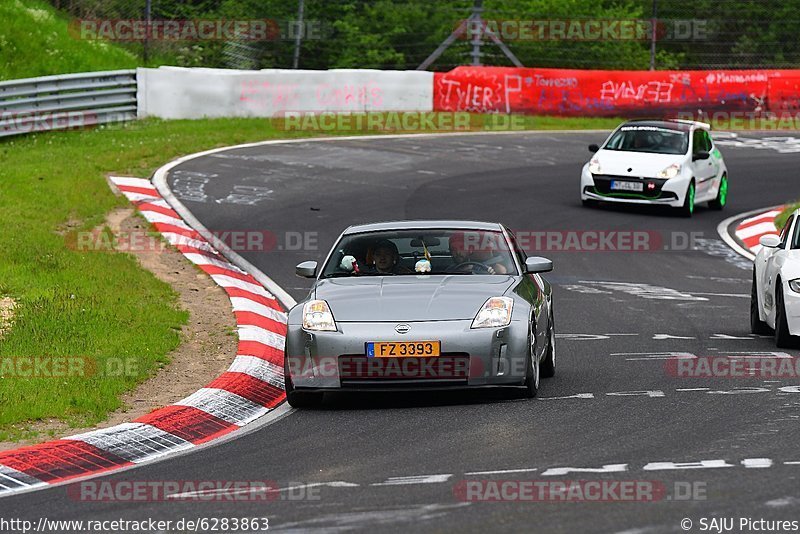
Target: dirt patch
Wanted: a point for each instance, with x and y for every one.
(7, 305)
(208, 341)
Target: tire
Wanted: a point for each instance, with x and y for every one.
(722, 195)
(783, 339)
(548, 367)
(589, 203)
(688, 204)
(757, 326)
(531, 373)
(299, 399)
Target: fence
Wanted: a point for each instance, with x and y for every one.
(67, 101)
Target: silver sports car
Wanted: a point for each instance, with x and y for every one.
(421, 305)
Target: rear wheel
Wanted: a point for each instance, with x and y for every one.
(688, 204)
(757, 326)
(548, 368)
(783, 338)
(722, 195)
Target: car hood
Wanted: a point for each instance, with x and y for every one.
(410, 298)
(641, 164)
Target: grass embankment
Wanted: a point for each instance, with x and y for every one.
(97, 305)
(35, 40)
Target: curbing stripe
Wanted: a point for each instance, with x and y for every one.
(251, 388)
(749, 231)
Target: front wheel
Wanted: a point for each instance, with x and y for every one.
(722, 195)
(299, 399)
(688, 204)
(532, 371)
(783, 339)
(548, 367)
(757, 326)
(589, 203)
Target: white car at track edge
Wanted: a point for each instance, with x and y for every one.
(775, 294)
(660, 162)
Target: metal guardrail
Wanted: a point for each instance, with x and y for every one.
(66, 101)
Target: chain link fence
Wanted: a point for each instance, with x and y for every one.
(401, 34)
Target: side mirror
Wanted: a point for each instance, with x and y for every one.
(700, 155)
(593, 148)
(770, 241)
(307, 269)
(536, 264)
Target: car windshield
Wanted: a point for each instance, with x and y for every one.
(413, 252)
(652, 139)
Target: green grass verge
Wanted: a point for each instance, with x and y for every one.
(780, 220)
(35, 40)
(98, 305)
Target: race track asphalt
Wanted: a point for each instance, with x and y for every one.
(395, 462)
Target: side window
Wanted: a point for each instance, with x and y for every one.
(698, 143)
(709, 144)
(796, 237)
(785, 231)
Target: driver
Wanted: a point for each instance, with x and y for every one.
(386, 259)
(470, 258)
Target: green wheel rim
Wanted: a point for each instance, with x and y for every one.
(691, 198)
(723, 191)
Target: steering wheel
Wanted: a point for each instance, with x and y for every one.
(478, 264)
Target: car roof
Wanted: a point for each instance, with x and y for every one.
(423, 225)
(669, 124)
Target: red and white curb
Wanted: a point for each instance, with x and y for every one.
(750, 230)
(249, 389)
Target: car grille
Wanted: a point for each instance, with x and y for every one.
(449, 368)
(651, 189)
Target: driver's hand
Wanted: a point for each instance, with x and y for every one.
(490, 269)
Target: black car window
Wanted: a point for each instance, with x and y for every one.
(796, 237)
(707, 139)
(785, 231)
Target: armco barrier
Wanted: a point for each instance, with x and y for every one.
(181, 93)
(67, 101)
(613, 93)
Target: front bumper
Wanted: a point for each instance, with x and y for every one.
(469, 358)
(654, 190)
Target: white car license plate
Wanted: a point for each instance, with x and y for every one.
(618, 185)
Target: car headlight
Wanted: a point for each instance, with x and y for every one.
(594, 166)
(494, 313)
(794, 285)
(317, 316)
(670, 172)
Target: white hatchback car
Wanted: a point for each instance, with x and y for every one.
(663, 162)
(775, 294)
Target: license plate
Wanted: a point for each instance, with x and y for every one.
(617, 185)
(403, 349)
